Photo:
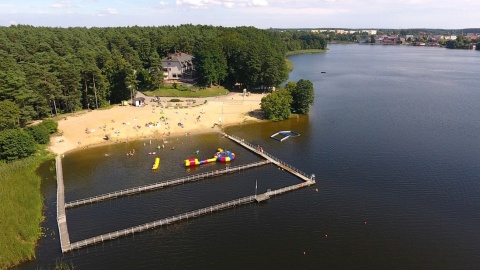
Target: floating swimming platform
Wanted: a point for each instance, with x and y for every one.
(220, 156)
(283, 135)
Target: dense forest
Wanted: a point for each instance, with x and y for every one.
(46, 71)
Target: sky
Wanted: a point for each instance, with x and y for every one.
(352, 14)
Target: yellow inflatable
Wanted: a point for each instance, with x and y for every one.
(156, 164)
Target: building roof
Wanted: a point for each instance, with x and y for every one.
(179, 57)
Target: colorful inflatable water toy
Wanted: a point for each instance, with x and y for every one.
(283, 135)
(220, 156)
(156, 164)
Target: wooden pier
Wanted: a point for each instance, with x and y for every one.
(182, 217)
(262, 197)
(303, 176)
(161, 222)
(61, 217)
(159, 185)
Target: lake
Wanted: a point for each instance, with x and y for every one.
(393, 139)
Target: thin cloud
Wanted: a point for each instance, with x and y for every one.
(196, 3)
(228, 4)
(207, 4)
(258, 13)
(62, 4)
(108, 11)
(312, 11)
(112, 11)
(259, 3)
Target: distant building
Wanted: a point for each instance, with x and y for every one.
(370, 32)
(450, 37)
(472, 36)
(176, 65)
(390, 40)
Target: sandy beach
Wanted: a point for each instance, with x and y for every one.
(125, 123)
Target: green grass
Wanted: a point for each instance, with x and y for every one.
(190, 91)
(61, 265)
(290, 65)
(21, 206)
(306, 51)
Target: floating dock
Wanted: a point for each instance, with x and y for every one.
(262, 197)
(283, 135)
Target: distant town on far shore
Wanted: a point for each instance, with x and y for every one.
(467, 38)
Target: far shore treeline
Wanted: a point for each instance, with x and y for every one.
(46, 71)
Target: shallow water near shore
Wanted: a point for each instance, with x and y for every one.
(394, 142)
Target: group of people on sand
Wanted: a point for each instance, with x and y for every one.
(163, 121)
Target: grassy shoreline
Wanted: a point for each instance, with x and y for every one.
(305, 51)
(21, 209)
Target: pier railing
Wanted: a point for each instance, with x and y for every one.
(267, 155)
(180, 217)
(161, 222)
(61, 216)
(159, 185)
(289, 188)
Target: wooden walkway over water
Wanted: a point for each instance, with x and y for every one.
(61, 217)
(303, 176)
(161, 222)
(159, 185)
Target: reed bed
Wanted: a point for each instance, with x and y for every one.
(21, 206)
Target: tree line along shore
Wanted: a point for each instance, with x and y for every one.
(47, 72)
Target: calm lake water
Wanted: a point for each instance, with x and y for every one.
(394, 142)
